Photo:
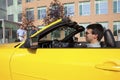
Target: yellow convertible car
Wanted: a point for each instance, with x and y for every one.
(60, 59)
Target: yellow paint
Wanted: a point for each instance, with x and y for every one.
(5, 58)
(9, 45)
(64, 64)
(20, 44)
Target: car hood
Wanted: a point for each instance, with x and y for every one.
(9, 45)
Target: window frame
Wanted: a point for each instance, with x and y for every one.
(9, 3)
(29, 0)
(27, 13)
(100, 8)
(19, 2)
(116, 8)
(81, 12)
(40, 14)
(67, 7)
(11, 17)
(116, 24)
(19, 17)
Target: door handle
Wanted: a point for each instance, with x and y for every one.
(109, 66)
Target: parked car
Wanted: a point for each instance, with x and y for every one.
(60, 59)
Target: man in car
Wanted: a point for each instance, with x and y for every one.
(94, 34)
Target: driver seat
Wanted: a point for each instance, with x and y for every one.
(109, 39)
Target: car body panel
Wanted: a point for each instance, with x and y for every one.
(28, 63)
(65, 64)
(5, 59)
(9, 45)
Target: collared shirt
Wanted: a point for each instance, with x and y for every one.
(21, 34)
(97, 44)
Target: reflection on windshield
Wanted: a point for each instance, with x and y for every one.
(59, 33)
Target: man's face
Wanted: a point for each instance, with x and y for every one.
(21, 27)
(33, 28)
(89, 36)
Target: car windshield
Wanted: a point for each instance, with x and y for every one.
(48, 40)
(58, 34)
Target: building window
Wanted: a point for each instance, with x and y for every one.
(10, 2)
(29, 0)
(116, 6)
(84, 8)
(20, 17)
(82, 34)
(41, 12)
(19, 1)
(104, 24)
(2, 14)
(11, 17)
(30, 14)
(2, 5)
(101, 6)
(116, 28)
(69, 9)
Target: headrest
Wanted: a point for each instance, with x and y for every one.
(109, 38)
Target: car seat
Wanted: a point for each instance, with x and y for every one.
(109, 39)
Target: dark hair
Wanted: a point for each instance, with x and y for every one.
(33, 26)
(97, 29)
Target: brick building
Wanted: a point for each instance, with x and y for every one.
(84, 12)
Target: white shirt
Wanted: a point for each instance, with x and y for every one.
(97, 44)
(21, 34)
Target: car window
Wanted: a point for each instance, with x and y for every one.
(58, 34)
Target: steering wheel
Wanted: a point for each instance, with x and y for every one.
(56, 43)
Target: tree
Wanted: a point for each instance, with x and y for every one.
(27, 22)
(55, 11)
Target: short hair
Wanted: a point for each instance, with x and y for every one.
(97, 29)
(34, 26)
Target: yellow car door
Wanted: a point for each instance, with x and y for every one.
(49, 63)
(66, 64)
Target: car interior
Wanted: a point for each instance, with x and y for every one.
(68, 42)
(109, 40)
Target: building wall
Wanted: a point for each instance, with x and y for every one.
(14, 10)
(3, 9)
(110, 17)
